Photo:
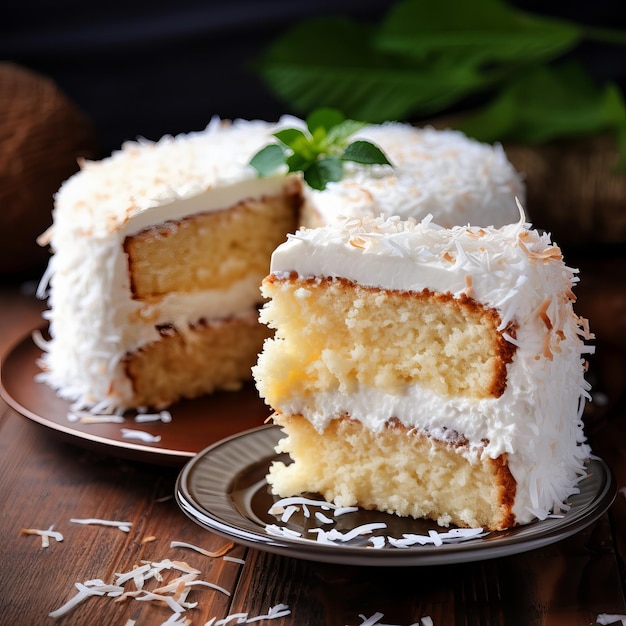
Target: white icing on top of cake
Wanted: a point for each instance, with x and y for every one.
(519, 272)
(94, 320)
(441, 172)
(145, 183)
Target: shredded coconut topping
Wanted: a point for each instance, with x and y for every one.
(335, 537)
(515, 271)
(148, 183)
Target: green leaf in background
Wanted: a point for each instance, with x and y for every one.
(426, 58)
(482, 31)
(547, 103)
(332, 62)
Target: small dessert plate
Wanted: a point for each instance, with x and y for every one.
(223, 489)
(194, 423)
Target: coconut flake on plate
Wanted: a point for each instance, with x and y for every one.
(161, 416)
(141, 435)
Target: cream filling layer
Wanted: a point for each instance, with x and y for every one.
(542, 483)
(182, 309)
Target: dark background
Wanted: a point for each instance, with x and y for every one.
(147, 69)
(165, 67)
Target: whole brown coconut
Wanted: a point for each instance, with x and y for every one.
(42, 136)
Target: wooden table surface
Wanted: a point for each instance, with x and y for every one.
(45, 481)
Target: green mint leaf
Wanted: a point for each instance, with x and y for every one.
(293, 138)
(325, 118)
(268, 160)
(339, 134)
(322, 172)
(366, 153)
(320, 154)
(297, 162)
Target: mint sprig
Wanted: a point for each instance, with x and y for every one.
(319, 152)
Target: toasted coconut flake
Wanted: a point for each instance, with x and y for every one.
(232, 559)
(547, 353)
(149, 596)
(468, 286)
(148, 539)
(45, 535)
(177, 584)
(358, 242)
(543, 314)
(552, 252)
(221, 552)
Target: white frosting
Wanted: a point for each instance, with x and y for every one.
(440, 172)
(95, 322)
(537, 421)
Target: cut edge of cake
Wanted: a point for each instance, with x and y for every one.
(528, 436)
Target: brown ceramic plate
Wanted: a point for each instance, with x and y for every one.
(223, 489)
(195, 423)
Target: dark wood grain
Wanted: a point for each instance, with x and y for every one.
(44, 481)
